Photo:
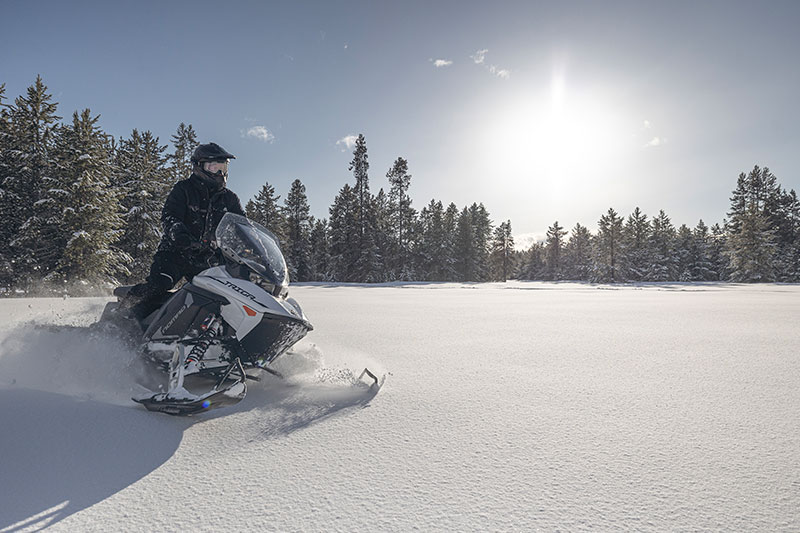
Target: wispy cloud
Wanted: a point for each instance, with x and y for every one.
(646, 124)
(479, 56)
(438, 63)
(259, 132)
(348, 142)
(500, 72)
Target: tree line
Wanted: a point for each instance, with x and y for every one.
(80, 209)
(758, 242)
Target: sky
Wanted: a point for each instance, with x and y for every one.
(543, 111)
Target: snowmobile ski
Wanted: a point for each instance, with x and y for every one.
(183, 407)
(179, 401)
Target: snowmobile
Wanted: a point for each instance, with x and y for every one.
(227, 320)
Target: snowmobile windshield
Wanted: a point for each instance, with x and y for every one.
(251, 244)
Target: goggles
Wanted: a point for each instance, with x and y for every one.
(212, 167)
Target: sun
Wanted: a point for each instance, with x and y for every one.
(561, 139)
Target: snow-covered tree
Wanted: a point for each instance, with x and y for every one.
(608, 257)
(343, 235)
(578, 254)
(464, 249)
(402, 218)
(533, 262)
(701, 266)
(663, 261)
(184, 142)
(265, 210)
(367, 265)
(554, 248)
(298, 229)
(319, 251)
(91, 222)
(482, 232)
(502, 252)
(28, 160)
(752, 248)
(435, 248)
(143, 181)
(636, 237)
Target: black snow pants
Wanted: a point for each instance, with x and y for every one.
(168, 267)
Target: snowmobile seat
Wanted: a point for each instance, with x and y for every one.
(122, 292)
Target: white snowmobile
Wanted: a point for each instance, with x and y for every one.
(229, 319)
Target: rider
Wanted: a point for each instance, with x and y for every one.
(189, 219)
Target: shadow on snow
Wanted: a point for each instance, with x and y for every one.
(68, 443)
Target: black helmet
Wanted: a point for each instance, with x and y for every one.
(215, 178)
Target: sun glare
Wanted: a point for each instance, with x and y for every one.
(559, 141)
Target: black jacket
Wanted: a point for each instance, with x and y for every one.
(191, 206)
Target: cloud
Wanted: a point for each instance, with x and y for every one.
(438, 63)
(259, 132)
(500, 72)
(348, 142)
(479, 56)
(524, 241)
(655, 141)
(646, 124)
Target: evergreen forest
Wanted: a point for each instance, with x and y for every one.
(80, 212)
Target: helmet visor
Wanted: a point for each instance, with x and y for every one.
(214, 167)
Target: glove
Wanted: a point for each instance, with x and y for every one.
(180, 236)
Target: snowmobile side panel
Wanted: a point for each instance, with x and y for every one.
(186, 310)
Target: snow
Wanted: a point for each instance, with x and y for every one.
(517, 406)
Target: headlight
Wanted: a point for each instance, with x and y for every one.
(261, 282)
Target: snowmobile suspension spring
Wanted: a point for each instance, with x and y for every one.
(210, 331)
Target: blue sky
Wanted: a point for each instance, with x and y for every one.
(544, 111)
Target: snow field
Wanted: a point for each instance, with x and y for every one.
(506, 407)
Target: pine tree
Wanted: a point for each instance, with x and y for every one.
(450, 222)
(343, 236)
(636, 236)
(684, 244)
(29, 164)
(482, 232)
(402, 218)
(753, 227)
(320, 256)
(502, 254)
(465, 253)
(6, 258)
(553, 252)
(752, 249)
(143, 181)
(578, 254)
(91, 221)
(701, 266)
(382, 236)
(533, 262)
(366, 267)
(435, 249)
(184, 141)
(608, 257)
(265, 210)
(717, 254)
(298, 229)
(663, 261)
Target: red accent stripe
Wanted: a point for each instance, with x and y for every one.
(249, 311)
